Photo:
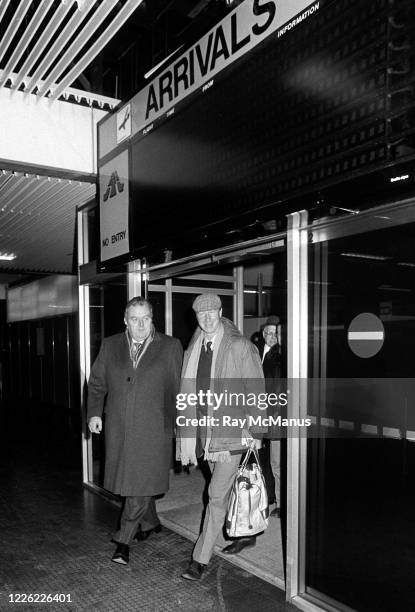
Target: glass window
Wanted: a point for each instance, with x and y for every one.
(106, 315)
(361, 487)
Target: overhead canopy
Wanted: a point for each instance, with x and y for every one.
(46, 45)
(47, 148)
(37, 221)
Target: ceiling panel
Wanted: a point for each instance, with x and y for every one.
(37, 221)
(45, 45)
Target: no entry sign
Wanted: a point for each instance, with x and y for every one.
(366, 335)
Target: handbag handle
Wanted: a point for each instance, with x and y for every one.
(250, 450)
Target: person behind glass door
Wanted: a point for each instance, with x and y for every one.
(134, 380)
(270, 353)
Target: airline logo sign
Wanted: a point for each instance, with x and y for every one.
(239, 32)
(124, 123)
(114, 204)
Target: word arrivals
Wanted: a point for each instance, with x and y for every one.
(218, 48)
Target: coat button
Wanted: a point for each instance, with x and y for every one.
(128, 379)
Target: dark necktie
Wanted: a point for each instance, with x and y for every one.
(203, 384)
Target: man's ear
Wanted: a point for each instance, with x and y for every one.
(125, 321)
(220, 312)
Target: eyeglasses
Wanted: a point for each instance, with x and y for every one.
(271, 334)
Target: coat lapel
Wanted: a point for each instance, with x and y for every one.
(150, 353)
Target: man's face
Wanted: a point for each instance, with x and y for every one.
(209, 320)
(138, 321)
(270, 335)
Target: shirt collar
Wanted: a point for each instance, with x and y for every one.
(148, 339)
(212, 340)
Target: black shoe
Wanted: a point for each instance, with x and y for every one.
(276, 512)
(194, 571)
(239, 545)
(122, 554)
(143, 535)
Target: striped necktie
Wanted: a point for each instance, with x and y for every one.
(136, 348)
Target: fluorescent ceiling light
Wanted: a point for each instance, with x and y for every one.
(403, 177)
(349, 210)
(319, 283)
(406, 264)
(366, 256)
(7, 256)
(389, 288)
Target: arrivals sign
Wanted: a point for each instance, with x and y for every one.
(239, 32)
(113, 207)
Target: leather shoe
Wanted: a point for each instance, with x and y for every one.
(143, 535)
(194, 571)
(122, 554)
(239, 545)
(276, 512)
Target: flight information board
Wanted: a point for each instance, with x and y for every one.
(317, 105)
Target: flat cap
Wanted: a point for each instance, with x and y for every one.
(207, 301)
(272, 320)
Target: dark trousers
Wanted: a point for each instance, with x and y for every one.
(137, 511)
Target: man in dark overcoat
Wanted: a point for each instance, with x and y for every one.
(134, 381)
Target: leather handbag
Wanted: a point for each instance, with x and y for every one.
(248, 502)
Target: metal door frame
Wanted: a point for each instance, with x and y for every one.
(300, 234)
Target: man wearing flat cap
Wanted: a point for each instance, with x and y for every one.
(217, 353)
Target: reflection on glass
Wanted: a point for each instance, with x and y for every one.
(158, 301)
(361, 491)
(106, 313)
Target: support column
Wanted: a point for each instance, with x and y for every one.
(297, 402)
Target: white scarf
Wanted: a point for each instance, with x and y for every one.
(188, 443)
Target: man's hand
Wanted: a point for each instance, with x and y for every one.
(95, 425)
(248, 440)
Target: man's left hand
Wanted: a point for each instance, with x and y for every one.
(248, 440)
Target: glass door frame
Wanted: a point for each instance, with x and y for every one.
(140, 281)
(300, 235)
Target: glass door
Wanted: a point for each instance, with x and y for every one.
(358, 536)
(102, 300)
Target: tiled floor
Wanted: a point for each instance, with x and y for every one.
(181, 509)
(55, 539)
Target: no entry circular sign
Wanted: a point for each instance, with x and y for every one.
(366, 335)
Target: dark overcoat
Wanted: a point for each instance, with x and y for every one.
(139, 406)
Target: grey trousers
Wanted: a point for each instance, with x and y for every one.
(275, 460)
(223, 475)
(137, 511)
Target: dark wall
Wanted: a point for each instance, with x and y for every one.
(40, 371)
